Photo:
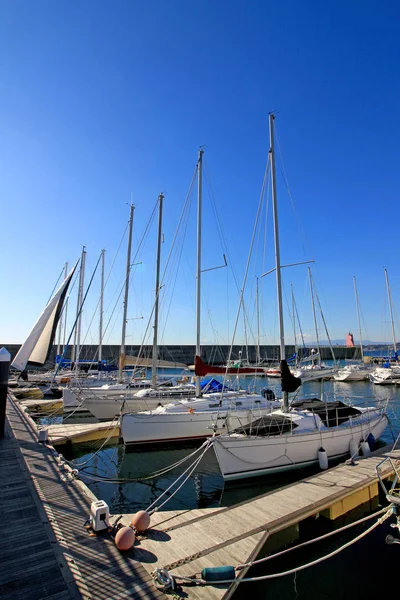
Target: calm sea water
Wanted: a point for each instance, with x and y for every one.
(342, 577)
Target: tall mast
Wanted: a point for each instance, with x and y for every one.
(294, 321)
(358, 317)
(258, 324)
(198, 269)
(60, 323)
(277, 251)
(101, 307)
(155, 341)
(128, 270)
(65, 322)
(314, 315)
(77, 335)
(391, 311)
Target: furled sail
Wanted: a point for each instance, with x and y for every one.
(37, 346)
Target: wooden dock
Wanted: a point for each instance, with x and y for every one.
(46, 552)
(54, 406)
(185, 542)
(64, 433)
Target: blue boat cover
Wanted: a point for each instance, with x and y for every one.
(213, 385)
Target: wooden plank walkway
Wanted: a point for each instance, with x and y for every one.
(60, 434)
(55, 404)
(46, 553)
(185, 542)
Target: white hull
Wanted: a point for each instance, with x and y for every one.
(349, 374)
(145, 428)
(315, 374)
(383, 376)
(107, 402)
(240, 457)
(77, 396)
(193, 419)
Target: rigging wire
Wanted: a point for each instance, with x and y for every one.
(260, 203)
(55, 287)
(312, 563)
(165, 271)
(300, 229)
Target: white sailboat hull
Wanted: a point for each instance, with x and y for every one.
(107, 407)
(197, 418)
(107, 402)
(240, 457)
(385, 376)
(348, 374)
(314, 374)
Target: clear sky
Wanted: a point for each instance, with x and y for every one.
(102, 100)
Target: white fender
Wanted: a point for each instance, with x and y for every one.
(322, 458)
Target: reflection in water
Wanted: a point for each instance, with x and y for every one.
(205, 488)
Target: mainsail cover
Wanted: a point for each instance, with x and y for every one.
(37, 346)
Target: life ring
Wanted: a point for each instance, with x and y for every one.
(191, 410)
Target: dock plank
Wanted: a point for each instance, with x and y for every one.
(70, 563)
(62, 433)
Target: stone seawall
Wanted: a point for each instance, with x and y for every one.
(185, 354)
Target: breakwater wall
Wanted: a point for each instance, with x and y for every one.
(185, 353)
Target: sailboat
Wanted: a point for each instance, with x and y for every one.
(354, 372)
(389, 373)
(305, 432)
(108, 400)
(37, 347)
(211, 410)
(317, 370)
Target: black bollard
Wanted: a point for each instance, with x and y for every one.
(5, 358)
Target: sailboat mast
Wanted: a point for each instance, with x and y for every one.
(60, 323)
(258, 324)
(277, 251)
(77, 336)
(314, 315)
(198, 269)
(65, 322)
(127, 274)
(294, 320)
(358, 317)
(155, 340)
(101, 307)
(391, 311)
(79, 326)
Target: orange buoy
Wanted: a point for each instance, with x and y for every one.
(140, 521)
(125, 538)
(191, 410)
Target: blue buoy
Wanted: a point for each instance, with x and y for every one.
(218, 573)
(371, 442)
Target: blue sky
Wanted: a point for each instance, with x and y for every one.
(101, 100)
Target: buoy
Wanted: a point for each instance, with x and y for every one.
(371, 442)
(125, 538)
(218, 573)
(140, 521)
(354, 449)
(366, 450)
(322, 458)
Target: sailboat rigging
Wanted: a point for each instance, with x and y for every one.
(294, 435)
(354, 372)
(389, 373)
(214, 408)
